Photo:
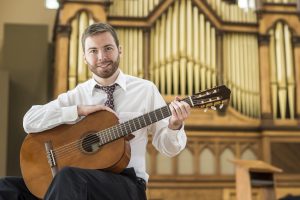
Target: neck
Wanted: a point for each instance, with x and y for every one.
(107, 81)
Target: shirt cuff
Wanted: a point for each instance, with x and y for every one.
(69, 114)
(177, 136)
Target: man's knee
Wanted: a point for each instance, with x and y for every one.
(67, 175)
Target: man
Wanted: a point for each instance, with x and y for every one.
(127, 97)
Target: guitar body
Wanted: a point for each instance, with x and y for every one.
(72, 147)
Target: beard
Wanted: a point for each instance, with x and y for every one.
(107, 71)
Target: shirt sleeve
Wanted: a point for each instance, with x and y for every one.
(167, 141)
(44, 117)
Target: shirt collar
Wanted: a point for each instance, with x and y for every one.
(121, 81)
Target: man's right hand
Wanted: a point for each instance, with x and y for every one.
(86, 110)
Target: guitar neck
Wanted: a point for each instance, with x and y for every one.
(125, 128)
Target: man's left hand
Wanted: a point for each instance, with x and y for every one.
(180, 112)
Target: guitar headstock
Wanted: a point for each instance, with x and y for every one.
(211, 98)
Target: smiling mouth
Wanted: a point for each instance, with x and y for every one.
(104, 65)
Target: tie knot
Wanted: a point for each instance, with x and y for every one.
(108, 89)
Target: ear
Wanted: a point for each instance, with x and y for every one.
(120, 49)
(84, 58)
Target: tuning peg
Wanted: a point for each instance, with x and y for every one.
(213, 108)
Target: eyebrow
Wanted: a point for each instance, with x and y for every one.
(108, 45)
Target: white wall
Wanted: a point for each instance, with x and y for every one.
(4, 84)
(24, 12)
(27, 12)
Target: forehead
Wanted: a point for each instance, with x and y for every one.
(99, 40)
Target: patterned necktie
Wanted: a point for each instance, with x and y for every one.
(109, 91)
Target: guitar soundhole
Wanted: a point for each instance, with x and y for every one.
(90, 143)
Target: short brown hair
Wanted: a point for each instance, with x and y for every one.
(99, 28)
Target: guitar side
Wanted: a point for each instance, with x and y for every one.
(34, 162)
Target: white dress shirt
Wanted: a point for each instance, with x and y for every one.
(132, 97)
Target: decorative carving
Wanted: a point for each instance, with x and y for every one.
(296, 41)
(63, 29)
(264, 39)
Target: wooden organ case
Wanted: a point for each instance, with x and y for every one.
(185, 46)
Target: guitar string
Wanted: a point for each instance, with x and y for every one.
(65, 149)
(102, 137)
(90, 141)
(105, 136)
(123, 124)
(65, 152)
(69, 148)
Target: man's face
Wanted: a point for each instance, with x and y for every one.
(101, 54)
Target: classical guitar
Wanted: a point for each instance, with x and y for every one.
(96, 142)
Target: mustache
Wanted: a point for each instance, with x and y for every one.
(104, 63)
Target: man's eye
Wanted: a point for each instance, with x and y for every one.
(108, 48)
(93, 51)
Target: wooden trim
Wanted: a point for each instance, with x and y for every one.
(148, 22)
(70, 9)
(159, 10)
(281, 133)
(297, 77)
(195, 182)
(264, 39)
(128, 22)
(268, 20)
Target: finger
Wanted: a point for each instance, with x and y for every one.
(177, 108)
(177, 98)
(173, 111)
(184, 109)
(110, 110)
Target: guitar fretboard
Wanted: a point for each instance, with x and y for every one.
(125, 128)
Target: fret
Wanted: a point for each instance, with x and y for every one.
(169, 111)
(159, 114)
(147, 119)
(128, 125)
(141, 121)
(100, 138)
(137, 124)
(102, 135)
(109, 134)
(133, 125)
(114, 132)
(124, 130)
(162, 113)
(143, 116)
(118, 131)
(106, 137)
(138, 119)
(155, 116)
(152, 117)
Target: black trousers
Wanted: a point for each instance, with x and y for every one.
(80, 184)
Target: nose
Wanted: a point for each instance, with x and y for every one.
(100, 55)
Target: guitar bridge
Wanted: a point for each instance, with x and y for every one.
(51, 158)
